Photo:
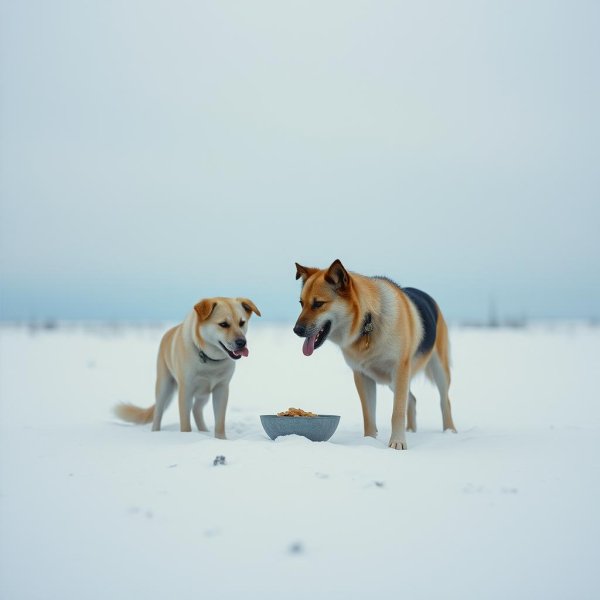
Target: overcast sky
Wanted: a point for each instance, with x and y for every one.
(153, 153)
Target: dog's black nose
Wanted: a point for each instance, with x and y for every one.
(240, 343)
(300, 330)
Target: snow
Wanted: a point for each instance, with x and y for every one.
(93, 508)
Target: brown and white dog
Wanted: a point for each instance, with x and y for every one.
(197, 357)
(387, 334)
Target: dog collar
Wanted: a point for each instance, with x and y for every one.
(367, 329)
(205, 358)
(367, 326)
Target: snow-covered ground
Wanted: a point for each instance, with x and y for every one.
(92, 508)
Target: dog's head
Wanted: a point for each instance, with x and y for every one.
(326, 301)
(222, 324)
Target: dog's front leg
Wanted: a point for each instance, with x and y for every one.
(401, 389)
(197, 411)
(185, 407)
(220, 397)
(367, 391)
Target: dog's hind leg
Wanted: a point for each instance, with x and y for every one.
(440, 375)
(165, 386)
(367, 391)
(199, 404)
(411, 413)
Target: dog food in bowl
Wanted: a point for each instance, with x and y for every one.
(296, 412)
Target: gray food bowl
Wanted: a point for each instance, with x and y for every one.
(317, 429)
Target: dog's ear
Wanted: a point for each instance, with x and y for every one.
(204, 308)
(337, 276)
(304, 272)
(249, 306)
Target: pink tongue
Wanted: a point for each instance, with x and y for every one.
(242, 352)
(309, 345)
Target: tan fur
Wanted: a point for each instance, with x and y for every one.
(197, 358)
(387, 355)
(442, 345)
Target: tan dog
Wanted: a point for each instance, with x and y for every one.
(387, 334)
(198, 357)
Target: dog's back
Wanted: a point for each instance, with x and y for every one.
(427, 310)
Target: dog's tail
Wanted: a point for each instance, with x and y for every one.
(134, 414)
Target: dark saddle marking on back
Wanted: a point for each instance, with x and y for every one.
(427, 309)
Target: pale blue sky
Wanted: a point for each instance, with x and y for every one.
(152, 153)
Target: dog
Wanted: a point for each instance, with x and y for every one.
(197, 357)
(387, 334)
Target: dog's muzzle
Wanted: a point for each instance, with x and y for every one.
(300, 330)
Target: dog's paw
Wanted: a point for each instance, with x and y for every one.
(220, 436)
(398, 445)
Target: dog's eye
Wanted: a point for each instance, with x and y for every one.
(224, 324)
(301, 304)
(242, 323)
(317, 304)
